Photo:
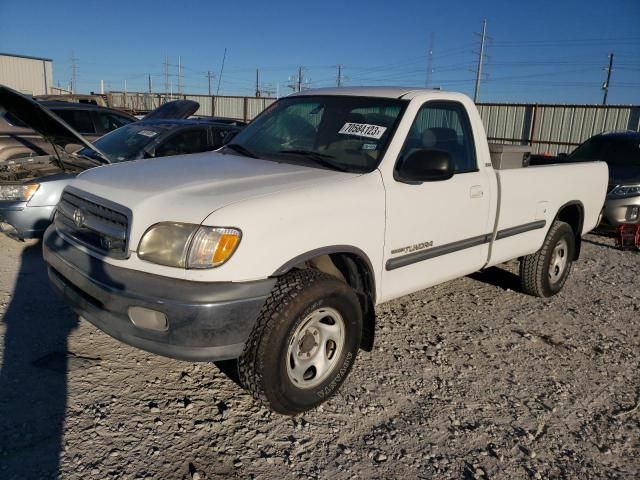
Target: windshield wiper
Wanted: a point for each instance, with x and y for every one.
(236, 147)
(319, 158)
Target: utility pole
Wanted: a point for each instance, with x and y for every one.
(209, 77)
(299, 79)
(150, 85)
(480, 60)
(166, 75)
(430, 60)
(101, 87)
(74, 72)
(257, 82)
(180, 86)
(339, 77)
(224, 56)
(605, 85)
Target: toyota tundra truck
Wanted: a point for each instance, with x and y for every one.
(273, 251)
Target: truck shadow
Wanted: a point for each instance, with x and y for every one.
(33, 373)
(498, 277)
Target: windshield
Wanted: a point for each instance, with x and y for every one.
(620, 151)
(125, 143)
(338, 132)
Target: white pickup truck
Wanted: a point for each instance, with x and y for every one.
(275, 249)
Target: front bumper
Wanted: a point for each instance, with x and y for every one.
(621, 210)
(24, 221)
(206, 321)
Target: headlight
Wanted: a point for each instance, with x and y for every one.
(18, 192)
(188, 246)
(625, 191)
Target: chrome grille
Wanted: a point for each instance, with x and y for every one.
(93, 224)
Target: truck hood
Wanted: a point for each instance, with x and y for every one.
(188, 188)
(177, 109)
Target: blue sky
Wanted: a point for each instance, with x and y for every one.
(539, 51)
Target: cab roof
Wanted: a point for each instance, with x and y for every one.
(383, 92)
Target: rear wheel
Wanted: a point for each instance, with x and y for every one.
(544, 273)
(304, 342)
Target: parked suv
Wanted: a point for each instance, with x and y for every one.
(18, 140)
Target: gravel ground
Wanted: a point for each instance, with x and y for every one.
(470, 379)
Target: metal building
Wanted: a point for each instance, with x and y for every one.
(30, 75)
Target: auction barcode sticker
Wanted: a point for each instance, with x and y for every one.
(362, 130)
(147, 133)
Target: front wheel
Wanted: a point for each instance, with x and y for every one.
(304, 343)
(544, 273)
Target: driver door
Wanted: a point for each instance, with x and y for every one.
(438, 230)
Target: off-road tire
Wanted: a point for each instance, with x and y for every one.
(534, 269)
(262, 365)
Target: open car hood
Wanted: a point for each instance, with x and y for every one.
(43, 120)
(174, 110)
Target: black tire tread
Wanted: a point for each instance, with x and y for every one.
(532, 267)
(287, 288)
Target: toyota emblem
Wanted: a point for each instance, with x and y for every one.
(78, 217)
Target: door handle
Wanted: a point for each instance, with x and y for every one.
(476, 191)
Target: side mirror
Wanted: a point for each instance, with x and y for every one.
(426, 166)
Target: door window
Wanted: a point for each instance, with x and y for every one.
(186, 141)
(79, 120)
(443, 126)
(110, 121)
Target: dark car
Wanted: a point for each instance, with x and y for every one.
(30, 188)
(621, 151)
(92, 121)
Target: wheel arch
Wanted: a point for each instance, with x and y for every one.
(355, 269)
(573, 213)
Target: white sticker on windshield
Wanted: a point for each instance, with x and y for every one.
(362, 130)
(147, 133)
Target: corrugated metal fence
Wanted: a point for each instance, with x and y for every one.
(239, 108)
(554, 128)
(546, 127)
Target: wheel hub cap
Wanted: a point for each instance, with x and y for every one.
(315, 347)
(558, 263)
